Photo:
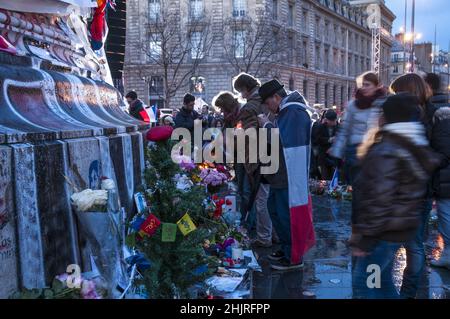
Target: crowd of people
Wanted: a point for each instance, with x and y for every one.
(182, 117)
(393, 145)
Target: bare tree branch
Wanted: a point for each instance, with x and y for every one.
(264, 45)
(171, 50)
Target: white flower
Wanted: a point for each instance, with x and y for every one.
(108, 184)
(88, 198)
(184, 183)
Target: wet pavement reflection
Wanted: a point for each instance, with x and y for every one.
(327, 271)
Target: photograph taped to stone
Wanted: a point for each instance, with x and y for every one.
(141, 204)
(169, 232)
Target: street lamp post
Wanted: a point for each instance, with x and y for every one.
(404, 37)
(448, 72)
(413, 34)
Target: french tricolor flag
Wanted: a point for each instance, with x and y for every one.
(294, 125)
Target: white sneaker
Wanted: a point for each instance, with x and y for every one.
(444, 261)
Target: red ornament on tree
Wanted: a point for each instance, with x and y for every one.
(159, 133)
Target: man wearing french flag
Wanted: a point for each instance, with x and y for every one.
(289, 200)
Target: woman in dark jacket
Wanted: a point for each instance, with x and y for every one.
(415, 251)
(395, 169)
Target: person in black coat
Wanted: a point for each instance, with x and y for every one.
(438, 115)
(187, 115)
(314, 166)
(323, 138)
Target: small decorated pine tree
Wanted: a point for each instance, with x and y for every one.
(175, 252)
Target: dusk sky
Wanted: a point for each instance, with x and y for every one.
(428, 14)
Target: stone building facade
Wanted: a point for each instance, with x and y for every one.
(329, 44)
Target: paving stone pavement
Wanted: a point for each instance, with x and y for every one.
(327, 271)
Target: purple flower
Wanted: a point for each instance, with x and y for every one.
(187, 166)
(88, 290)
(212, 177)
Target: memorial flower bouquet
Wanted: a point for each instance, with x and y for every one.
(212, 179)
(90, 200)
(64, 287)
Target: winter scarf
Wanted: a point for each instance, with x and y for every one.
(415, 131)
(364, 102)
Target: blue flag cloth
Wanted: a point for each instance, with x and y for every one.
(200, 270)
(136, 223)
(334, 181)
(141, 262)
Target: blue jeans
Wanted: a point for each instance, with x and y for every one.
(278, 206)
(415, 256)
(383, 255)
(443, 210)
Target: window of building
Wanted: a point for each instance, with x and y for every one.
(317, 27)
(197, 45)
(326, 94)
(275, 9)
(155, 46)
(349, 66)
(154, 9)
(156, 91)
(290, 52)
(395, 69)
(239, 43)
(318, 57)
(305, 21)
(335, 61)
(327, 59)
(275, 39)
(305, 88)
(291, 84)
(291, 15)
(239, 8)
(335, 35)
(317, 93)
(305, 53)
(342, 96)
(196, 8)
(334, 94)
